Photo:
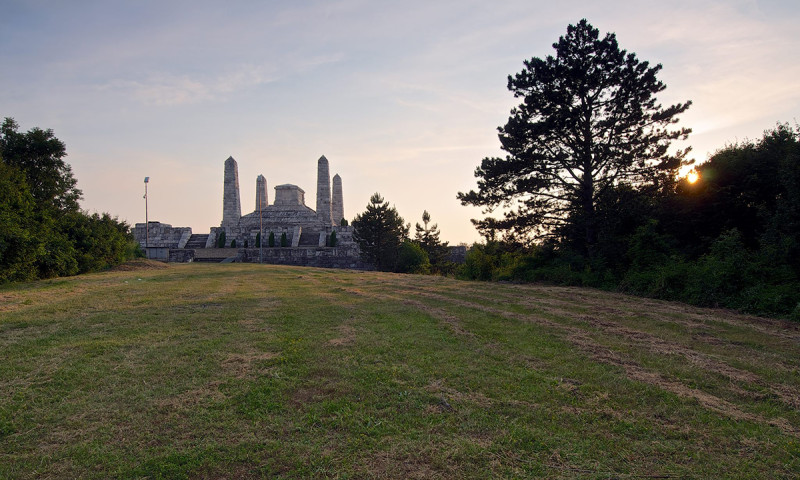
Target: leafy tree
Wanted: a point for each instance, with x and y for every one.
(43, 232)
(589, 121)
(99, 241)
(38, 154)
(428, 238)
(412, 259)
(20, 236)
(752, 187)
(379, 232)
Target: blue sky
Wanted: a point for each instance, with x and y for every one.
(403, 98)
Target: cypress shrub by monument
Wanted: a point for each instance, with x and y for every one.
(245, 244)
(284, 240)
(233, 243)
(271, 239)
(221, 240)
(258, 240)
(332, 241)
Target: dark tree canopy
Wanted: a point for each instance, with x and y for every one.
(589, 121)
(43, 232)
(379, 233)
(427, 235)
(38, 154)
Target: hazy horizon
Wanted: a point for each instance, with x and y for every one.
(402, 98)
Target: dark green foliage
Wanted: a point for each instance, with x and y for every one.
(20, 236)
(284, 240)
(589, 121)
(43, 232)
(271, 239)
(245, 244)
(730, 240)
(332, 241)
(38, 154)
(221, 240)
(258, 240)
(412, 259)
(379, 233)
(100, 241)
(490, 261)
(344, 222)
(427, 236)
(233, 243)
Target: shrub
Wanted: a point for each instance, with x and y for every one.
(332, 240)
(412, 259)
(271, 239)
(233, 243)
(284, 240)
(221, 240)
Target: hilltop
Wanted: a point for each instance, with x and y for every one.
(245, 370)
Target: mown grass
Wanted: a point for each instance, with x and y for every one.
(245, 371)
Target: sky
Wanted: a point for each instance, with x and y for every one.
(403, 97)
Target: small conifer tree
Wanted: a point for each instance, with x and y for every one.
(284, 240)
(271, 239)
(221, 240)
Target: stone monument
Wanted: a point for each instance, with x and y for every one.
(337, 202)
(231, 202)
(323, 191)
(262, 200)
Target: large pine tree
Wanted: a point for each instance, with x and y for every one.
(589, 120)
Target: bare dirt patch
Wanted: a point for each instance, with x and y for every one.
(347, 336)
(140, 264)
(240, 365)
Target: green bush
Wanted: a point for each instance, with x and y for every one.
(221, 240)
(271, 239)
(412, 259)
(478, 264)
(332, 239)
(284, 240)
(233, 243)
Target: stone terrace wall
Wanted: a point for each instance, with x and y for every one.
(307, 257)
(162, 235)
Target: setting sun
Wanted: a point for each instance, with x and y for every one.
(692, 176)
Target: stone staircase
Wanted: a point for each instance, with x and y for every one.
(309, 239)
(197, 241)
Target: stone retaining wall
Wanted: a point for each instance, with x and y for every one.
(161, 235)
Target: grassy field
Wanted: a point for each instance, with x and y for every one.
(242, 371)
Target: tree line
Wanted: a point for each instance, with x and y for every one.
(43, 231)
(590, 192)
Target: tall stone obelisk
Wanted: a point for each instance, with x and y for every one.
(323, 191)
(337, 202)
(262, 200)
(231, 203)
